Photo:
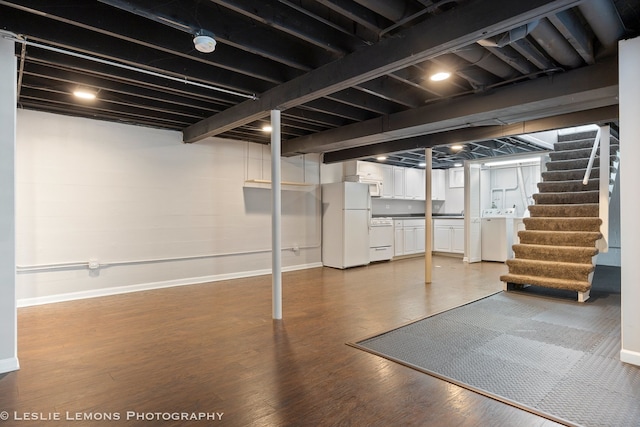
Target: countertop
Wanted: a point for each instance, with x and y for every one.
(418, 216)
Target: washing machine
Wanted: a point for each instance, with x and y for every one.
(497, 231)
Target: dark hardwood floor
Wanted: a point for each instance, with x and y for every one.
(213, 348)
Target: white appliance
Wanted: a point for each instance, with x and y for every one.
(345, 224)
(374, 183)
(381, 239)
(497, 231)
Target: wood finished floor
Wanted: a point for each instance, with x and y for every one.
(214, 348)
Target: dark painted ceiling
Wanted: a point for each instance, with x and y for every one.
(350, 77)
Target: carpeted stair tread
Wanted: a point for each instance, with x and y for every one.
(559, 238)
(555, 253)
(576, 136)
(568, 175)
(557, 270)
(569, 185)
(575, 197)
(563, 223)
(569, 164)
(572, 285)
(574, 210)
(578, 153)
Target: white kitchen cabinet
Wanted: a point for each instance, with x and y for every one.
(398, 243)
(413, 235)
(387, 181)
(414, 184)
(448, 235)
(398, 182)
(438, 184)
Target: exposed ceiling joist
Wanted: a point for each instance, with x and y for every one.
(455, 28)
(581, 89)
(597, 115)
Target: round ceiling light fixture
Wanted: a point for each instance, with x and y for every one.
(438, 77)
(204, 44)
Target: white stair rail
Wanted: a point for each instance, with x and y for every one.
(602, 140)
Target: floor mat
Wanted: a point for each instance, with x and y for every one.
(552, 356)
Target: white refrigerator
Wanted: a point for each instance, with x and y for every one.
(346, 208)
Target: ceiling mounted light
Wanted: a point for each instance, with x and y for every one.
(438, 77)
(381, 158)
(457, 165)
(456, 147)
(267, 128)
(84, 94)
(204, 44)
(422, 165)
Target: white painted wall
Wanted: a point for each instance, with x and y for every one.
(8, 332)
(149, 209)
(629, 86)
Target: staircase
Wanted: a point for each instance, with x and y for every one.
(559, 245)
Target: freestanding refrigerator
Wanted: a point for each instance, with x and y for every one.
(346, 210)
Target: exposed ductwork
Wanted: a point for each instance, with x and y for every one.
(604, 21)
(510, 36)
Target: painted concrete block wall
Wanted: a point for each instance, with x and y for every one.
(8, 333)
(629, 64)
(150, 210)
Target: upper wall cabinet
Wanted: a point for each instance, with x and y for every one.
(399, 182)
(438, 184)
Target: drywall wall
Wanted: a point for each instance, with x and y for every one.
(148, 210)
(629, 64)
(8, 334)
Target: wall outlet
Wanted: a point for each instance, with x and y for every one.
(94, 264)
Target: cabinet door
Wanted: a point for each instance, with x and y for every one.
(420, 239)
(412, 183)
(409, 240)
(398, 182)
(442, 238)
(398, 242)
(457, 239)
(437, 184)
(387, 181)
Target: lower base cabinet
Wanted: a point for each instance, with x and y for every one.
(448, 235)
(409, 236)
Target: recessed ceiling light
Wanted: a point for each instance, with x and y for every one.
(84, 94)
(381, 158)
(267, 128)
(457, 165)
(423, 164)
(438, 77)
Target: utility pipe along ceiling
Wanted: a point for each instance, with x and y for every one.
(352, 78)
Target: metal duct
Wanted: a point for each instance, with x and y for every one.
(603, 18)
(482, 58)
(510, 36)
(549, 38)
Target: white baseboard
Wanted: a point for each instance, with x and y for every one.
(94, 293)
(9, 365)
(631, 357)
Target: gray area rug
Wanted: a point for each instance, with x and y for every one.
(548, 355)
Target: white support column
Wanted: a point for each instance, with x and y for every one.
(428, 220)
(629, 90)
(276, 216)
(8, 311)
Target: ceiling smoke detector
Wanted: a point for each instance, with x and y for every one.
(204, 44)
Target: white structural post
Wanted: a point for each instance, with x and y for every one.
(428, 220)
(276, 216)
(8, 311)
(629, 89)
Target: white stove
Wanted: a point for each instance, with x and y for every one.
(381, 239)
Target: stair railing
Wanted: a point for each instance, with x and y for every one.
(602, 140)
